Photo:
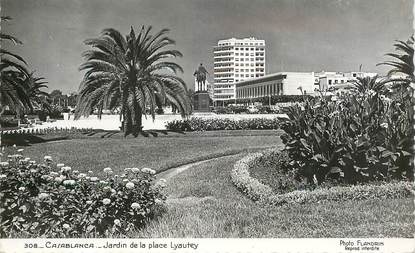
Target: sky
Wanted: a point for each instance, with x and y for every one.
(300, 35)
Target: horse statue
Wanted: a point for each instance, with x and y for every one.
(200, 75)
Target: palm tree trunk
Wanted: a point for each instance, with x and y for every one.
(127, 126)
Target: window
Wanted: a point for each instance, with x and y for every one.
(329, 81)
(335, 81)
(246, 54)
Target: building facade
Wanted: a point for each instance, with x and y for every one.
(236, 60)
(281, 83)
(329, 80)
(297, 83)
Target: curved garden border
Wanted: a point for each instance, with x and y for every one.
(263, 194)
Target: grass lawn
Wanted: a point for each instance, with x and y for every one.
(203, 202)
(165, 151)
(209, 205)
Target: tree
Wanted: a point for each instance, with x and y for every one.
(401, 130)
(128, 73)
(13, 92)
(38, 98)
(403, 60)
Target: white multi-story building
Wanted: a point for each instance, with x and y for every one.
(236, 60)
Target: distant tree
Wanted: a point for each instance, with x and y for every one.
(72, 99)
(129, 73)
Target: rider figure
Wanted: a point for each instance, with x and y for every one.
(200, 74)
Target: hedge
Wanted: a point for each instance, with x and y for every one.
(211, 124)
(263, 194)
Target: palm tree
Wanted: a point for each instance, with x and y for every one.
(403, 118)
(39, 99)
(128, 74)
(13, 93)
(403, 60)
(365, 84)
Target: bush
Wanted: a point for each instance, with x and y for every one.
(272, 169)
(223, 110)
(53, 200)
(238, 109)
(211, 124)
(42, 114)
(8, 122)
(348, 139)
(264, 194)
(56, 112)
(160, 110)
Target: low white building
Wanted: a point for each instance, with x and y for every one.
(281, 83)
(329, 80)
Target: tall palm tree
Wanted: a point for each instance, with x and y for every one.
(128, 73)
(13, 93)
(403, 64)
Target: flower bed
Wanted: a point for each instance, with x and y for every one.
(211, 124)
(52, 200)
(262, 193)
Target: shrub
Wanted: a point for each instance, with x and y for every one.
(56, 112)
(8, 122)
(346, 139)
(272, 169)
(264, 194)
(52, 200)
(238, 109)
(223, 110)
(160, 110)
(211, 124)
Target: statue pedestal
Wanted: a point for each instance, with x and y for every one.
(201, 102)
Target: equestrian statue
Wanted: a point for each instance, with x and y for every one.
(200, 75)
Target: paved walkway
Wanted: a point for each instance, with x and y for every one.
(112, 122)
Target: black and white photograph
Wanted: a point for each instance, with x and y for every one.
(129, 119)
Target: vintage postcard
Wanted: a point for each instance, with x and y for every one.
(207, 126)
